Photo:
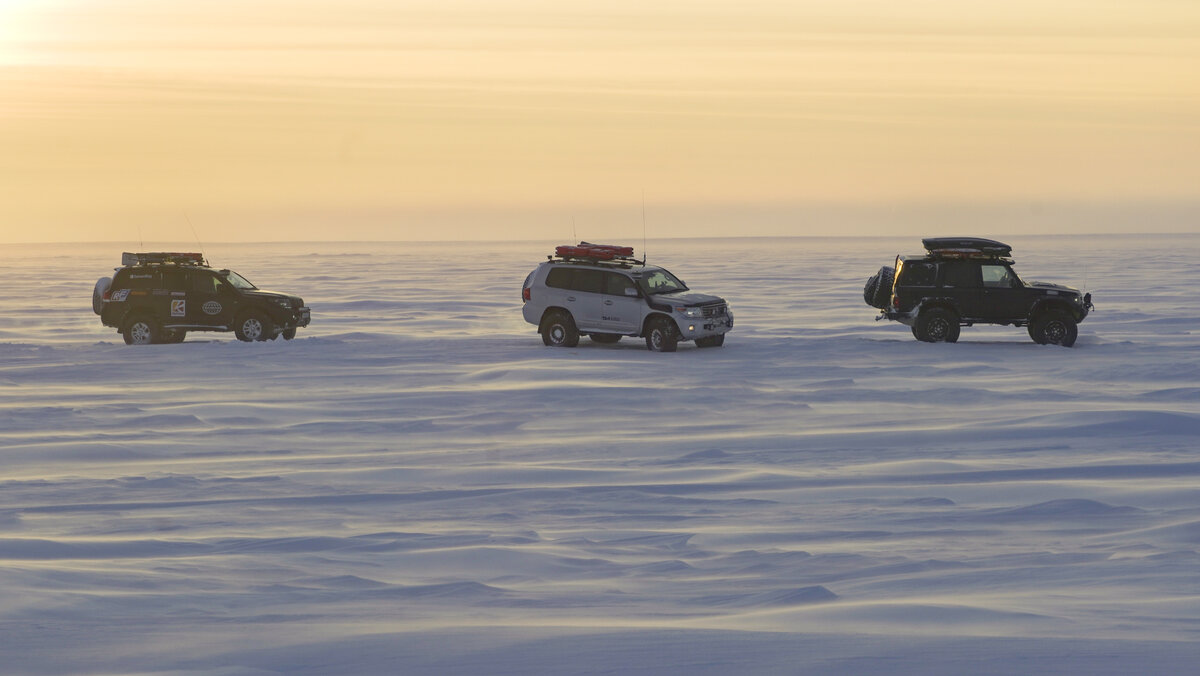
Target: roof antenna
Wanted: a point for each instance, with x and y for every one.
(141, 244)
(198, 244)
(644, 256)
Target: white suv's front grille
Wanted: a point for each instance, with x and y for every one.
(718, 310)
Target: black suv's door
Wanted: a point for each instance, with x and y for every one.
(211, 301)
(1004, 295)
(961, 283)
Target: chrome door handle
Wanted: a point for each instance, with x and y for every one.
(608, 302)
(571, 298)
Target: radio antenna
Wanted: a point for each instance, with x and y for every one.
(141, 243)
(189, 222)
(644, 256)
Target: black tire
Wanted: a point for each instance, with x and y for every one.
(711, 341)
(936, 325)
(605, 338)
(881, 293)
(141, 330)
(172, 336)
(102, 286)
(1054, 328)
(288, 334)
(663, 335)
(869, 290)
(559, 330)
(253, 326)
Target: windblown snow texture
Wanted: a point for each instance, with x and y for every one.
(417, 485)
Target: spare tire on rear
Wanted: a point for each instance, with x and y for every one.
(102, 286)
(878, 291)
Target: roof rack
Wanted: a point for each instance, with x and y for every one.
(162, 258)
(586, 252)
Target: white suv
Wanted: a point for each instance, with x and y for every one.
(604, 292)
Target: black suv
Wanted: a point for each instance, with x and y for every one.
(159, 297)
(961, 281)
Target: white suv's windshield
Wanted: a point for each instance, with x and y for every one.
(660, 281)
(238, 281)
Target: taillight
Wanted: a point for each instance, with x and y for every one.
(526, 295)
(895, 301)
(107, 295)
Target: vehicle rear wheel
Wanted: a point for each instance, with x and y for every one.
(253, 326)
(141, 330)
(172, 336)
(936, 325)
(711, 341)
(662, 336)
(605, 338)
(558, 330)
(1054, 328)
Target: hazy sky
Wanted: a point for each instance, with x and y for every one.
(452, 119)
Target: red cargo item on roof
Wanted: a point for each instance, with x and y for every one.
(602, 252)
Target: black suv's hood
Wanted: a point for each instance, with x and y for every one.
(1057, 289)
(275, 295)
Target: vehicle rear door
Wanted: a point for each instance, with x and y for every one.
(579, 290)
(961, 284)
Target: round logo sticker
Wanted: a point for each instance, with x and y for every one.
(212, 307)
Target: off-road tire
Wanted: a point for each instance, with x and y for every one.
(141, 330)
(559, 330)
(172, 336)
(880, 291)
(288, 334)
(605, 338)
(936, 325)
(663, 335)
(102, 286)
(1054, 327)
(253, 326)
(711, 341)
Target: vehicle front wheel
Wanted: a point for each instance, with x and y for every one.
(558, 330)
(288, 334)
(253, 326)
(936, 325)
(662, 336)
(1054, 328)
(711, 341)
(141, 330)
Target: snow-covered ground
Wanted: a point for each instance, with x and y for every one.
(415, 485)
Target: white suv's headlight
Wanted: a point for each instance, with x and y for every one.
(690, 311)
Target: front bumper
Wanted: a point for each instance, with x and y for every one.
(691, 328)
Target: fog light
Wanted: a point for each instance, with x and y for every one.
(691, 327)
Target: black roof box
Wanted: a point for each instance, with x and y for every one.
(978, 245)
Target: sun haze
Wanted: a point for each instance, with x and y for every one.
(492, 119)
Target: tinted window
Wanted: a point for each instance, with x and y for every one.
(961, 275)
(204, 282)
(616, 284)
(576, 279)
(133, 278)
(918, 274)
